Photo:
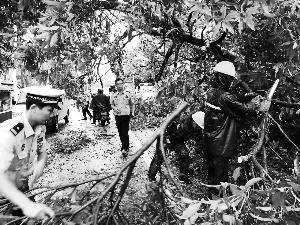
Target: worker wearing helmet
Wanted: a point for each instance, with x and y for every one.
(176, 134)
(220, 124)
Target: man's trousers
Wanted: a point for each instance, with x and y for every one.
(122, 123)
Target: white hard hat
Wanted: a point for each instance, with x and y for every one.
(227, 68)
(198, 117)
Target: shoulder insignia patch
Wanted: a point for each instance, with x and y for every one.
(17, 128)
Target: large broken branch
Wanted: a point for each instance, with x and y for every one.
(166, 59)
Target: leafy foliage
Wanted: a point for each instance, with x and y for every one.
(64, 42)
(71, 141)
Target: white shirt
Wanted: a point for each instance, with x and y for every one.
(122, 102)
(19, 147)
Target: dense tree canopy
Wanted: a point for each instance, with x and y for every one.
(72, 36)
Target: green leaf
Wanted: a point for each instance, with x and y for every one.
(295, 45)
(241, 26)
(65, 222)
(249, 20)
(53, 39)
(187, 222)
(233, 16)
(236, 191)
(42, 36)
(52, 3)
(223, 10)
(290, 222)
(278, 199)
(252, 10)
(286, 43)
(228, 27)
(295, 186)
(49, 28)
(252, 182)
(236, 173)
(70, 17)
(194, 218)
(191, 210)
(187, 200)
(267, 12)
(228, 219)
(217, 29)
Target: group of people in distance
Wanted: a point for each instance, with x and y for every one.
(23, 144)
(100, 105)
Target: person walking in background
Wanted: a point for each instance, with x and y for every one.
(100, 105)
(85, 107)
(122, 104)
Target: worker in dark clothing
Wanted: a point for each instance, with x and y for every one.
(176, 135)
(220, 123)
(85, 107)
(100, 106)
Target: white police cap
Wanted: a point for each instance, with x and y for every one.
(45, 95)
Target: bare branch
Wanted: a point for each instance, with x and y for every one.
(133, 159)
(166, 59)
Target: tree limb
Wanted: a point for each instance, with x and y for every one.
(166, 59)
(133, 159)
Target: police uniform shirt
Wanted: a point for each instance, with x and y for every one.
(121, 101)
(19, 147)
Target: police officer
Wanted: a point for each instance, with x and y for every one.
(23, 152)
(122, 104)
(177, 134)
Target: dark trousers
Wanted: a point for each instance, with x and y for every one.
(218, 168)
(85, 110)
(122, 123)
(182, 156)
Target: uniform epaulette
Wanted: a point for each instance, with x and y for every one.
(17, 128)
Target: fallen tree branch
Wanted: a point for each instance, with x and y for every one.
(166, 59)
(296, 160)
(133, 159)
(122, 191)
(286, 104)
(161, 140)
(284, 134)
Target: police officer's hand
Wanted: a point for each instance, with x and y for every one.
(37, 210)
(37, 173)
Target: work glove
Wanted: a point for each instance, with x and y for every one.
(255, 102)
(265, 105)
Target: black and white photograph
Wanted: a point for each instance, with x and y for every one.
(158, 112)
